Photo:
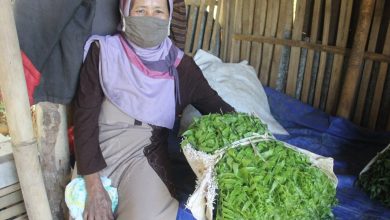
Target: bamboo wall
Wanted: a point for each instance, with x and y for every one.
(307, 49)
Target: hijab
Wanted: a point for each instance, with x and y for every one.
(142, 82)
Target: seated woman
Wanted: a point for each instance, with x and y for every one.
(132, 87)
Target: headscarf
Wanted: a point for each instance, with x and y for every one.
(142, 82)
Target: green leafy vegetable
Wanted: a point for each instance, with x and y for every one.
(376, 180)
(265, 180)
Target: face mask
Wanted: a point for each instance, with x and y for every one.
(145, 31)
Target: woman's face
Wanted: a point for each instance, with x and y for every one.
(152, 8)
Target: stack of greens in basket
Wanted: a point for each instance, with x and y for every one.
(265, 180)
(376, 180)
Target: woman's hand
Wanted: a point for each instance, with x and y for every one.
(98, 204)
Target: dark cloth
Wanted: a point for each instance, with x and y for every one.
(194, 89)
(52, 34)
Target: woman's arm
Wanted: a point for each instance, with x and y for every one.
(87, 103)
(89, 157)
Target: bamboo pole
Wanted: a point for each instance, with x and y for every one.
(14, 91)
(352, 78)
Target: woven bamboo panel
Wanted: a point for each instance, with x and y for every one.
(303, 48)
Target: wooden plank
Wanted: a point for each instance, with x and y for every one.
(53, 148)
(258, 29)
(295, 51)
(310, 55)
(216, 28)
(323, 56)
(11, 199)
(353, 73)
(380, 84)
(190, 29)
(9, 189)
(209, 25)
(235, 51)
(270, 31)
(247, 27)
(284, 32)
(198, 30)
(13, 211)
(362, 95)
(341, 41)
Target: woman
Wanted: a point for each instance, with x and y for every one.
(132, 87)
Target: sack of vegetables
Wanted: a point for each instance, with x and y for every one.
(375, 177)
(246, 173)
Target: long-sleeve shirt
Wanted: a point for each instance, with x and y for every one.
(194, 89)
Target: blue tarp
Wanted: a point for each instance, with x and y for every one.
(351, 146)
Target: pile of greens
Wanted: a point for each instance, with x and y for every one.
(265, 180)
(376, 180)
(212, 132)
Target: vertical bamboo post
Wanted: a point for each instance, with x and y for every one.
(14, 91)
(348, 93)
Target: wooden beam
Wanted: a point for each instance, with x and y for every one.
(14, 92)
(353, 74)
(323, 48)
(53, 148)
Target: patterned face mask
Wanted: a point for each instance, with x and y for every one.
(145, 31)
